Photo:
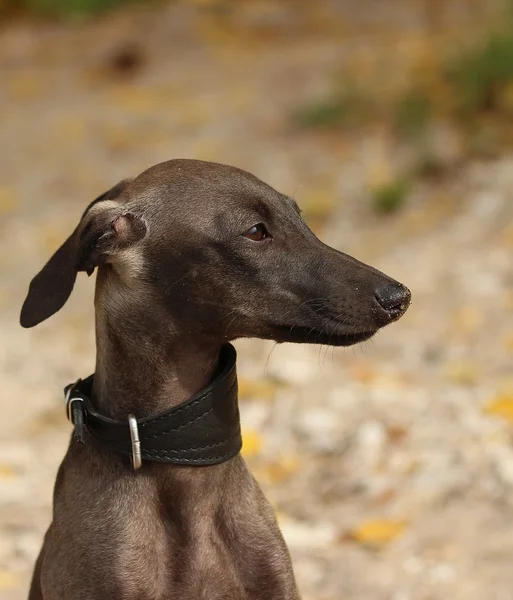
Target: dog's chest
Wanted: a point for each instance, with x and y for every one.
(163, 557)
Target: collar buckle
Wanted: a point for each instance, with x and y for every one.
(69, 398)
(136, 443)
(75, 410)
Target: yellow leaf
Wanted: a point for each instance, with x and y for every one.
(507, 300)
(8, 580)
(251, 443)
(9, 200)
(467, 319)
(502, 406)
(254, 388)
(378, 531)
(278, 471)
(465, 373)
(509, 342)
(363, 372)
(6, 471)
(507, 236)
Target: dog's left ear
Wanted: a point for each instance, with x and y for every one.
(104, 229)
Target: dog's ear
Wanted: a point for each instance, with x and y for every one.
(103, 229)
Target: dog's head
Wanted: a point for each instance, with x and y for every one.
(221, 254)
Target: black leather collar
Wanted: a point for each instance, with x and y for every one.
(205, 430)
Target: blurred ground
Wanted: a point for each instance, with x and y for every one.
(390, 465)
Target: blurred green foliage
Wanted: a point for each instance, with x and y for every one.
(481, 76)
(390, 197)
(473, 82)
(413, 112)
(61, 8)
(347, 108)
(467, 88)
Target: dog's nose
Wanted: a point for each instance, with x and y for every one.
(394, 298)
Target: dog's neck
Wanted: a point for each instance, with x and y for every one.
(141, 372)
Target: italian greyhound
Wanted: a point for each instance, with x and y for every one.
(153, 500)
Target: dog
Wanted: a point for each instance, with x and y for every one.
(190, 255)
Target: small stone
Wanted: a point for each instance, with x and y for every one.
(413, 565)
(320, 428)
(443, 573)
(307, 535)
(372, 438)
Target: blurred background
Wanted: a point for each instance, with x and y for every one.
(390, 465)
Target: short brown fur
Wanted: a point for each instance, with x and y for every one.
(178, 277)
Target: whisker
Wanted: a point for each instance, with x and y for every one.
(230, 323)
(269, 356)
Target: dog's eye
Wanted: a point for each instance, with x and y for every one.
(257, 233)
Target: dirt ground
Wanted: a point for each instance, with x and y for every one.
(390, 465)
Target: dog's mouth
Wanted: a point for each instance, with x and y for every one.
(309, 335)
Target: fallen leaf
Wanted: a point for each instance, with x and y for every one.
(507, 236)
(507, 300)
(501, 406)
(278, 471)
(509, 342)
(376, 531)
(6, 471)
(385, 496)
(467, 319)
(251, 443)
(255, 388)
(8, 580)
(363, 372)
(462, 372)
(396, 433)
(9, 200)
